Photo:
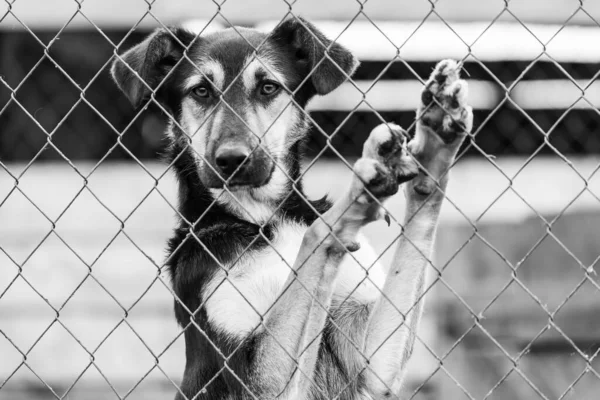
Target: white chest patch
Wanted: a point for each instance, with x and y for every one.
(236, 301)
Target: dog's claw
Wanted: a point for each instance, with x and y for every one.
(352, 247)
(387, 219)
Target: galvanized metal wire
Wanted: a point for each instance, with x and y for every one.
(440, 270)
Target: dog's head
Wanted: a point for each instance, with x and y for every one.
(236, 96)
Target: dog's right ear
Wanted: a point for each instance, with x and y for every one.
(144, 66)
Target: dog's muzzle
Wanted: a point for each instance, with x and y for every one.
(237, 164)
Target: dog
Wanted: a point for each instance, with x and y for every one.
(279, 296)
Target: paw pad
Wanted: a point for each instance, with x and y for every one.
(444, 102)
(376, 178)
(385, 163)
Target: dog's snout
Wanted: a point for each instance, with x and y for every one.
(228, 159)
(236, 164)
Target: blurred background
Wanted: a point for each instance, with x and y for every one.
(86, 206)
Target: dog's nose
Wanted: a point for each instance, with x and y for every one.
(228, 159)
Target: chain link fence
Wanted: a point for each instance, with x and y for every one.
(86, 207)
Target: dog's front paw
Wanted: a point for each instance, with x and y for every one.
(385, 163)
(444, 106)
(444, 120)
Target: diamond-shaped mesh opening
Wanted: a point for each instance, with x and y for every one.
(133, 358)
(99, 239)
(55, 343)
(55, 271)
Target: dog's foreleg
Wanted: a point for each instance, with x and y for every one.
(289, 338)
(390, 334)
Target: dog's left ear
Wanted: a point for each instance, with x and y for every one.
(330, 62)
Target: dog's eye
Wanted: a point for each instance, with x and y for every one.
(201, 91)
(269, 88)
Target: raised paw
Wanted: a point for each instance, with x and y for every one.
(443, 120)
(385, 163)
(444, 106)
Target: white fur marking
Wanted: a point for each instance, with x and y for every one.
(259, 277)
(255, 282)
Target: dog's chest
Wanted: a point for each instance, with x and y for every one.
(235, 300)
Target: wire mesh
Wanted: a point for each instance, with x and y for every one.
(496, 336)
